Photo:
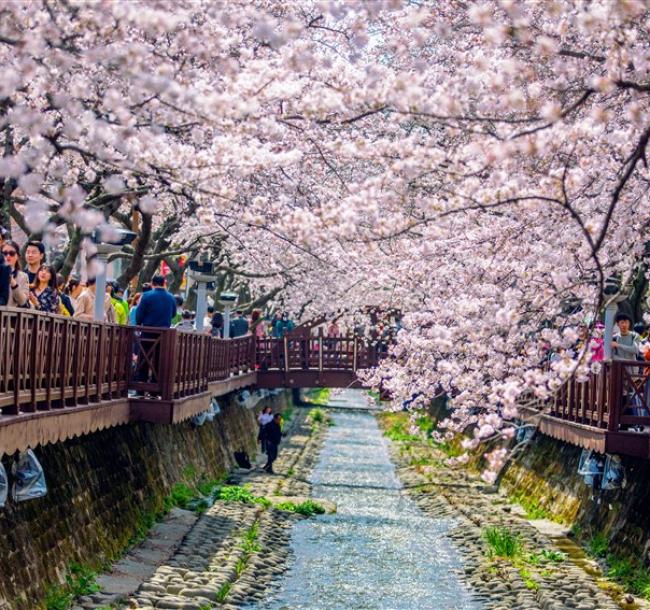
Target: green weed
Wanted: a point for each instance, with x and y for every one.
(79, 581)
(319, 396)
(181, 495)
(529, 581)
(532, 507)
(631, 574)
(397, 433)
(502, 542)
(223, 591)
(317, 416)
(598, 545)
(236, 493)
(308, 508)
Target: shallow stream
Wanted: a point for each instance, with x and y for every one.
(379, 551)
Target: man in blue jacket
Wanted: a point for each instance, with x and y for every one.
(156, 308)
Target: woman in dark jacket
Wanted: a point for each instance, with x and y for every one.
(43, 294)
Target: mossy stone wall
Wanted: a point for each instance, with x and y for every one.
(100, 488)
(547, 474)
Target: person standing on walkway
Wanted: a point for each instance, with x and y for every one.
(157, 308)
(5, 282)
(625, 345)
(216, 324)
(18, 280)
(239, 326)
(120, 306)
(43, 294)
(273, 434)
(85, 309)
(66, 308)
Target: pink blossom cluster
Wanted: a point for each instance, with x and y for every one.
(482, 167)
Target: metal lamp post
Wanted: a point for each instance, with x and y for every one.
(228, 300)
(120, 238)
(201, 273)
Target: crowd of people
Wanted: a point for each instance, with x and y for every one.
(38, 286)
(629, 341)
(240, 325)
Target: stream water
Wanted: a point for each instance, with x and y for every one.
(379, 551)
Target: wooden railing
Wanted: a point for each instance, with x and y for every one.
(617, 398)
(172, 364)
(50, 362)
(318, 353)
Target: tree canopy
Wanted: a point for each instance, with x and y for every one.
(480, 166)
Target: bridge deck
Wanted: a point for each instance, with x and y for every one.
(61, 377)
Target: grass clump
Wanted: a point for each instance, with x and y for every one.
(223, 591)
(632, 574)
(319, 396)
(308, 508)
(598, 546)
(502, 542)
(396, 432)
(181, 495)
(237, 493)
(532, 507)
(317, 416)
(79, 580)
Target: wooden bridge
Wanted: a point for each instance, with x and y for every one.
(61, 377)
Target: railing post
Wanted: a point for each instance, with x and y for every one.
(167, 357)
(17, 352)
(253, 353)
(286, 353)
(320, 350)
(615, 396)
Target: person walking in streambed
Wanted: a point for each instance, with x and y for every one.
(273, 434)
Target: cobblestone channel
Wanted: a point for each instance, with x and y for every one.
(207, 565)
(379, 551)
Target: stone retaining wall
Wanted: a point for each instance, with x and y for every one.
(100, 489)
(547, 474)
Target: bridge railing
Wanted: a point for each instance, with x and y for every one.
(616, 398)
(49, 362)
(347, 353)
(172, 364)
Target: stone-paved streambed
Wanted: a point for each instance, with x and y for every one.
(537, 576)
(379, 550)
(230, 554)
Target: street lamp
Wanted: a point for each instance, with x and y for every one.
(201, 273)
(228, 300)
(612, 291)
(108, 241)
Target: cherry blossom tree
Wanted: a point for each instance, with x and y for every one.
(482, 167)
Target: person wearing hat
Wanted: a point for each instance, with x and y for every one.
(625, 345)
